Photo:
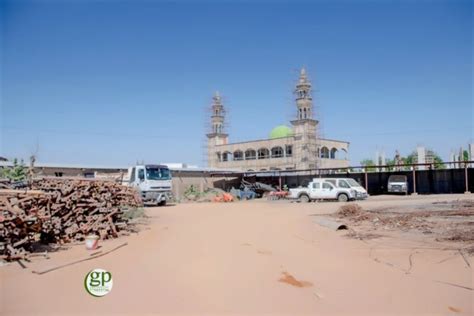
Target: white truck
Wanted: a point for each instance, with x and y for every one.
(397, 184)
(153, 183)
(328, 189)
(348, 183)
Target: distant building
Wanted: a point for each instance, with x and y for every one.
(287, 148)
(3, 158)
(462, 155)
(423, 155)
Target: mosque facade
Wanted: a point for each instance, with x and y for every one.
(292, 147)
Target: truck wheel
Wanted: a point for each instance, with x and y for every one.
(162, 203)
(304, 198)
(342, 197)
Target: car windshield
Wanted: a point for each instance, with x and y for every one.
(397, 179)
(155, 173)
(353, 183)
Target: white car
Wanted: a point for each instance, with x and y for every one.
(319, 189)
(348, 183)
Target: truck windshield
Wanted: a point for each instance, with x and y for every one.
(154, 173)
(353, 183)
(397, 178)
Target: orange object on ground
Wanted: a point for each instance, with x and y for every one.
(225, 197)
(228, 197)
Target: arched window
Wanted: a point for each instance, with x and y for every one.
(324, 152)
(263, 153)
(304, 111)
(301, 114)
(289, 150)
(227, 156)
(238, 155)
(277, 152)
(333, 153)
(250, 154)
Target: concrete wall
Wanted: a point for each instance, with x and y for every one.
(112, 174)
(181, 179)
(201, 181)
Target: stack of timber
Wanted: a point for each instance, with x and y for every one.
(61, 211)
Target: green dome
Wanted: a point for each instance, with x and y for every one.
(281, 131)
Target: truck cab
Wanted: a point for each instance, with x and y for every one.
(153, 182)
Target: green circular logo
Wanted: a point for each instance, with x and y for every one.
(98, 282)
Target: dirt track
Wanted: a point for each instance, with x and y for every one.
(252, 258)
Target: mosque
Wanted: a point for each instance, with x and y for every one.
(287, 148)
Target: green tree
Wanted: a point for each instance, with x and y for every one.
(409, 159)
(368, 164)
(465, 155)
(438, 162)
(16, 173)
(390, 163)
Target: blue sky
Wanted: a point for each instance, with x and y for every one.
(108, 82)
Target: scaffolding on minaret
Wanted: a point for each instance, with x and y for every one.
(307, 110)
(216, 123)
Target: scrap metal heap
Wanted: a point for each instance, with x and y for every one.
(61, 211)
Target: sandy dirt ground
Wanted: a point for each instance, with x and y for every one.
(252, 258)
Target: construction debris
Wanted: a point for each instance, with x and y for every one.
(245, 194)
(259, 188)
(61, 211)
(453, 222)
(225, 197)
(192, 194)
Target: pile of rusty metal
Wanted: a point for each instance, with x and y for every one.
(61, 211)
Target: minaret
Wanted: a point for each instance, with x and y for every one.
(304, 101)
(218, 114)
(216, 135)
(304, 126)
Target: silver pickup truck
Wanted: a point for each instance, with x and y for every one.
(321, 189)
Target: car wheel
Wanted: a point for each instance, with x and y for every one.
(304, 198)
(342, 197)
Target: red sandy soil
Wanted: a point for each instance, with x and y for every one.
(251, 258)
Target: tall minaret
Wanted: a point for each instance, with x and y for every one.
(304, 101)
(216, 135)
(304, 126)
(218, 114)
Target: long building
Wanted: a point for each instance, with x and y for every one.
(287, 148)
